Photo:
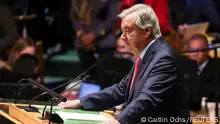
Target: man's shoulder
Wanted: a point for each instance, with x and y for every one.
(164, 47)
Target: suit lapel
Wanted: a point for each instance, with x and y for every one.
(141, 70)
(129, 83)
(143, 66)
(206, 69)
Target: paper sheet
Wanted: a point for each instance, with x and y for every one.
(81, 116)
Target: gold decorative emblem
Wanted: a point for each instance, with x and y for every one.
(83, 12)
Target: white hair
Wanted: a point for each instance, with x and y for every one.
(145, 18)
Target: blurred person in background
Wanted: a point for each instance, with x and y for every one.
(185, 12)
(29, 16)
(208, 69)
(21, 63)
(198, 42)
(58, 27)
(94, 23)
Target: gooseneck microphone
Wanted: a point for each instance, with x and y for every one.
(49, 91)
(55, 95)
(78, 78)
(62, 85)
(210, 47)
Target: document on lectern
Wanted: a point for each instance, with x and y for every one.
(82, 116)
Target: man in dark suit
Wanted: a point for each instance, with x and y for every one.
(208, 68)
(153, 88)
(94, 23)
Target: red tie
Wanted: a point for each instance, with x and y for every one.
(138, 61)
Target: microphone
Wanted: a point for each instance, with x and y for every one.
(62, 85)
(214, 46)
(49, 91)
(79, 82)
(210, 47)
(71, 80)
(51, 101)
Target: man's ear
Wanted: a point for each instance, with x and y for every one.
(148, 32)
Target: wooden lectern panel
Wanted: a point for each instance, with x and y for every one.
(6, 119)
(21, 115)
(24, 116)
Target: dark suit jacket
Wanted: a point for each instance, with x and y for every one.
(190, 82)
(204, 85)
(208, 80)
(157, 90)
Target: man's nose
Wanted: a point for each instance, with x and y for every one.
(123, 36)
(194, 54)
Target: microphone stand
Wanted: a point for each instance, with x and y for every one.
(17, 91)
(50, 112)
(71, 80)
(217, 86)
(84, 79)
(57, 118)
(52, 93)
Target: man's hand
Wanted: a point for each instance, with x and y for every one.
(111, 121)
(88, 41)
(70, 104)
(70, 95)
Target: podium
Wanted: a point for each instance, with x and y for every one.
(20, 115)
(16, 115)
(6, 119)
(11, 114)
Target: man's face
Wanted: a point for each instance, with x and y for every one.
(134, 37)
(197, 44)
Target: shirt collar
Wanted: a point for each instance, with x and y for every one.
(202, 66)
(145, 49)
